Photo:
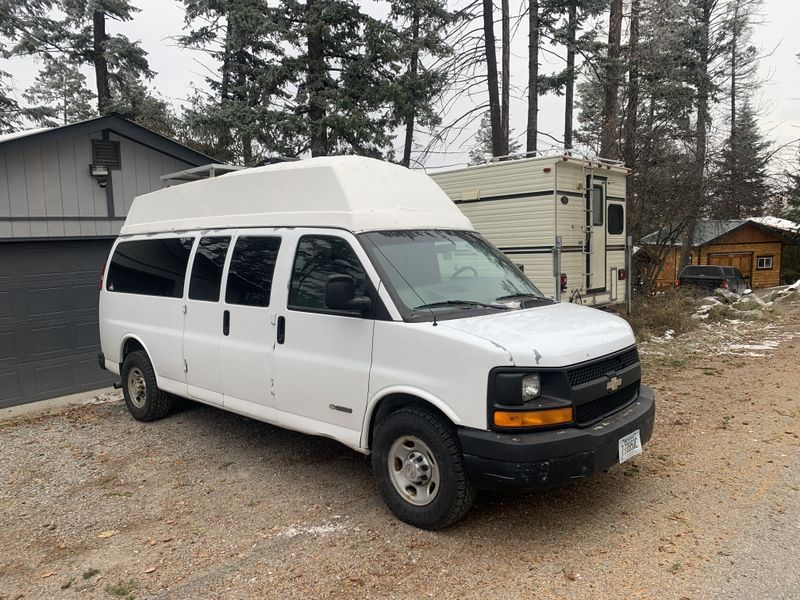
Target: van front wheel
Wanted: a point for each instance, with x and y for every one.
(143, 398)
(419, 468)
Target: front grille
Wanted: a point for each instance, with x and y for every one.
(597, 370)
(594, 409)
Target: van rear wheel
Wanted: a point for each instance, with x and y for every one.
(417, 462)
(142, 397)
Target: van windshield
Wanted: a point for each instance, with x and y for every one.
(448, 272)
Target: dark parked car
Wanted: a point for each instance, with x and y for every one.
(711, 277)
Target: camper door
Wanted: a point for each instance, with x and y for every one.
(595, 255)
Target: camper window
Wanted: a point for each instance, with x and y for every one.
(616, 219)
(597, 205)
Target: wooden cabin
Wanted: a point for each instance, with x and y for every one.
(754, 246)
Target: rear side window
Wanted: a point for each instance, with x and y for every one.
(616, 219)
(318, 257)
(702, 271)
(150, 267)
(250, 273)
(207, 267)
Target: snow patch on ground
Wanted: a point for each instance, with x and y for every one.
(325, 528)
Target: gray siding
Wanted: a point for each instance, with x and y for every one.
(46, 190)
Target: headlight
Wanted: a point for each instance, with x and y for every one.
(531, 387)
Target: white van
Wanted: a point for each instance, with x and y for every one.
(350, 298)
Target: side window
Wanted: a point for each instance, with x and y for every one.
(318, 257)
(150, 267)
(250, 273)
(207, 268)
(597, 205)
(616, 219)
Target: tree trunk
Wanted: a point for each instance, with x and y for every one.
(505, 78)
(413, 68)
(609, 147)
(533, 76)
(569, 91)
(632, 109)
(100, 62)
(491, 76)
(698, 201)
(315, 82)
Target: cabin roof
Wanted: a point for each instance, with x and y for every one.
(707, 231)
(347, 192)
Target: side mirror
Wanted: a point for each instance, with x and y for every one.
(340, 295)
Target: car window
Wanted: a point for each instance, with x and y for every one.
(702, 271)
(209, 260)
(150, 267)
(250, 273)
(317, 258)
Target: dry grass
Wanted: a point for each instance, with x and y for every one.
(671, 309)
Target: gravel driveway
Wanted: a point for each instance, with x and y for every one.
(206, 504)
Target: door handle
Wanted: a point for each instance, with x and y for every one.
(226, 322)
(281, 335)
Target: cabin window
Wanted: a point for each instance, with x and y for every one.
(764, 262)
(616, 219)
(318, 257)
(150, 267)
(207, 268)
(250, 273)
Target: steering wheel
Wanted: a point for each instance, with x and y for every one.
(462, 269)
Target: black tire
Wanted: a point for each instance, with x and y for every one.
(149, 403)
(454, 494)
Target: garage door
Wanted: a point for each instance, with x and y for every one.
(740, 260)
(48, 319)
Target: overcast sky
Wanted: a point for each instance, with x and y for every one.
(177, 69)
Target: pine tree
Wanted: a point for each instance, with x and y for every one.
(60, 90)
(76, 31)
(482, 153)
(743, 189)
(345, 58)
(419, 26)
(792, 193)
(240, 121)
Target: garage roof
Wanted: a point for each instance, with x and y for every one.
(347, 192)
(115, 122)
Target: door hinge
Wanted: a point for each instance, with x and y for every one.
(185, 366)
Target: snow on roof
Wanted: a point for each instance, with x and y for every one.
(5, 137)
(776, 223)
(347, 192)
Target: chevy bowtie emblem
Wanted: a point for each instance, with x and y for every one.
(613, 384)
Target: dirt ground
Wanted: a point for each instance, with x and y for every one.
(206, 504)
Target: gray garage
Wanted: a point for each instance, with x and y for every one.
(64, 193)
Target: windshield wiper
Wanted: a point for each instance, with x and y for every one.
(523, 295)
(464, 303)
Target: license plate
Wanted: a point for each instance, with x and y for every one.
(630, 446)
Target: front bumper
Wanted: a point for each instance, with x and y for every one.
(538, 460)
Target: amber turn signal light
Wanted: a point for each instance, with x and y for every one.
(533, 418)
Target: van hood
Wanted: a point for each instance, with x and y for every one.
(556, 335)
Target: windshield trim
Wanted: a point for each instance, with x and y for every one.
(423, 315)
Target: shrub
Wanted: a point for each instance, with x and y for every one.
(670, 309)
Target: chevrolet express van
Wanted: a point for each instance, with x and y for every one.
(350, 298)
